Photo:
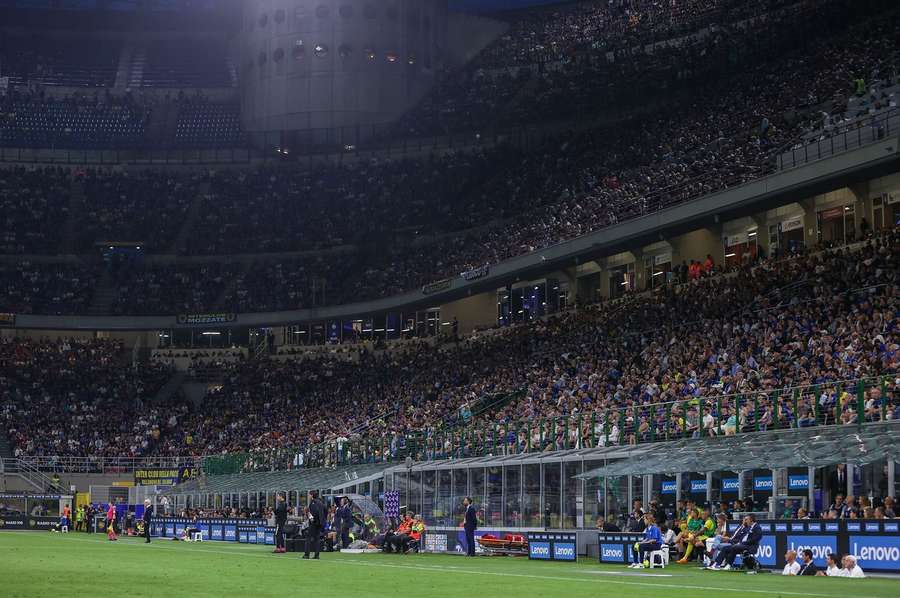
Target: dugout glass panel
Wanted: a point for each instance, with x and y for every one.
(428, 480)
(512, 492)
(460, 491)
(443, 507)
(552, 495)
(476, 479)
(531, 495)
(494, 509)
(573, 500)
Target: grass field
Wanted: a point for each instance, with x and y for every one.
(45, 564)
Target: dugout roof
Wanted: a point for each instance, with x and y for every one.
(808, 447)
(275, 481)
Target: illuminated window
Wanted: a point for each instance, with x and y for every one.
(391, 57)
(321, 50)
(370, 53)
(411, 59)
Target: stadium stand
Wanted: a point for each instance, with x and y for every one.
(817, 319)
(182, 63)
(58, 60)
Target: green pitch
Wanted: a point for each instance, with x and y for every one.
(46, 565)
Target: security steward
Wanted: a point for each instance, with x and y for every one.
(280, 522)
(316, 520)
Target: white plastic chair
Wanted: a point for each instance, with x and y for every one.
(660, 558)
(196, 536)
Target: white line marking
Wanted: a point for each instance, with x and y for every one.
(169, 545)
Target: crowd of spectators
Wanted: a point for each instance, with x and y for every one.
(49, 289)
(404, 223)
(819, 319)
(144, 207)
(33, 206)
(74, 397)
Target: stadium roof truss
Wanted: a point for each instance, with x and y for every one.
(805, 447)
(810, 447)
(275, 481)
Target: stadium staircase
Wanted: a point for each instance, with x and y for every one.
(38, 481)
(123, 73)
(76, 205)
(160, 130)
(170, 388)
(232, 284)
(105, 294)
(187, 225)
(6, 451)
(137, 60)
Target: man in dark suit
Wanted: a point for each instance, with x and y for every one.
(280, 522)
(745, 539)
(148, 515)
(345, 513)
(316, 520)
(470, 525)
(808, 567)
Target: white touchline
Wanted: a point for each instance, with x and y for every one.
(163, 544)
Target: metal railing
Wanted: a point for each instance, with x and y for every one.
(105, 465)
(825, 144)
(28, 472)
(838, 403)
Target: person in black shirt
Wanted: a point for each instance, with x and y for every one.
(316, 520)
(148, 515)
(280, 521)
(658, 512)
(808, 567)
(605, 526)
(636, 518)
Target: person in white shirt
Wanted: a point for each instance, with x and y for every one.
(792, 567)
(851, 569)
(832, 568)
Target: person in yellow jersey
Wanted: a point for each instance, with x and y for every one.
(707, 530)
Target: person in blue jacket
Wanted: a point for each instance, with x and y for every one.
(652, 541)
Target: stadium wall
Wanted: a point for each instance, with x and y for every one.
(336, 64)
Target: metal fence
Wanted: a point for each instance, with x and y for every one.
(859, 133)
(106, 465)
(840, 403)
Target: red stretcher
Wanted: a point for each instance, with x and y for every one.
(508, 545)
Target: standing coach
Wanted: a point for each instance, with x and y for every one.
(316, 519)
(280, 521)
(148, 514)
(470, 525)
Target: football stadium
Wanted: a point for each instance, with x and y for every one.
(450, 297)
